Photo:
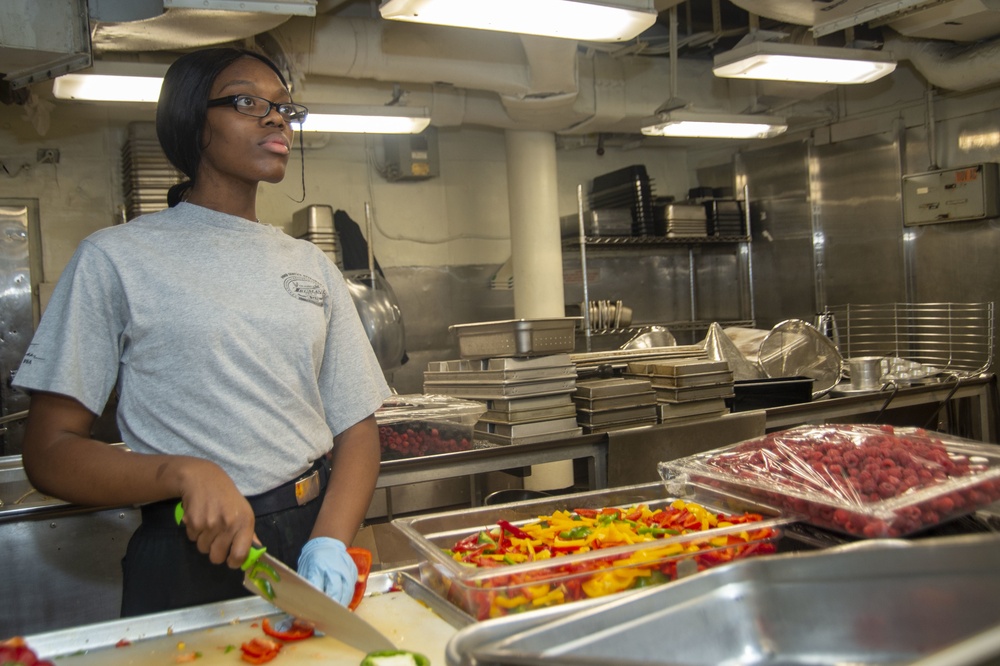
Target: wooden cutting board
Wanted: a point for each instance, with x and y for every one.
(408, 623)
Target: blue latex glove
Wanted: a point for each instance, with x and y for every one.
(324, 562)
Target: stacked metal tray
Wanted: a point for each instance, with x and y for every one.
(603, 405)
(686, 388)
(628, 188)
(681, 221)
(528, 400)
(724, 218)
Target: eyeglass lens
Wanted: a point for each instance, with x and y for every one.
(260, 107)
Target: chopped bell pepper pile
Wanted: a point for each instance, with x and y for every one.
(586, 530)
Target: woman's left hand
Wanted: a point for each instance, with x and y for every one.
(325, 563)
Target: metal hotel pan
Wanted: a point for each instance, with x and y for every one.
(516, 337)
(874, 602)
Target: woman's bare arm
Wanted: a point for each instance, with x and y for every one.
(356, 458)
(62, 460)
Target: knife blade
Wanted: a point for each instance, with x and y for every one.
(277, 583)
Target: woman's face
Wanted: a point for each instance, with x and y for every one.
(242, 147)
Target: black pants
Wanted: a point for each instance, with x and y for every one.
(163, 569)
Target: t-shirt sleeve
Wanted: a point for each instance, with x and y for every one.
(77, 348)
(351, 379)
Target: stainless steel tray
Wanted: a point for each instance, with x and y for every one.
(529, 415)
(615, 402)
(528, 439)
(523, 389)
(512, 430)
(511, 405)
(480, 364)
(500, 376)
(874, 602)
(516, 337)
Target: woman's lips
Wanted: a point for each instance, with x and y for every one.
(275, 144)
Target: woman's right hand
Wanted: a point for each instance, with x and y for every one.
(216, 516)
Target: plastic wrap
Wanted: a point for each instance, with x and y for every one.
(421, 425)
(861, 480)
(450, 541)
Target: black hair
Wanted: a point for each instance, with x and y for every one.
(182, 109)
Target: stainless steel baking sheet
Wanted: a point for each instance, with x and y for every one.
(528, 439)
(588, 417)
(875, 602)
(628, 400)
(603, 388)
(664, 394)
(526, 429)
(529, 415)
(501, 376)
(480, 364)
(614, 427)
(685, 381)
(532, 402)
(677, 367)
(501, 390)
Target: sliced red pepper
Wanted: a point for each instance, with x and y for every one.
(297, 632)
(586, 513)
(259, 650)
(513, 529)
(363, 560)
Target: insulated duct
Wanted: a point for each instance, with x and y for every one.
(948, 66)
(536, 83)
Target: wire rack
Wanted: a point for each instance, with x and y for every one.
(956, 338)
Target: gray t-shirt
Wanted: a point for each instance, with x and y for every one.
(226, 339)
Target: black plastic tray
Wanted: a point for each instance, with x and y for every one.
(750, 394)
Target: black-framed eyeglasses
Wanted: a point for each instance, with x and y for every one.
(258, 107)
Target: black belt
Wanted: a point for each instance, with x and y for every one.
(297, 492)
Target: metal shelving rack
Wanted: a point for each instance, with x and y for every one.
(583, 242)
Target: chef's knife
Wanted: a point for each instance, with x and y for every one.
(277, 583)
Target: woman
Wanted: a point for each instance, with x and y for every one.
(237, 354)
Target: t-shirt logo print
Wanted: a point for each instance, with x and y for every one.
(304, 288)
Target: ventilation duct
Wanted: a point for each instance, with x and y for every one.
(949, 66)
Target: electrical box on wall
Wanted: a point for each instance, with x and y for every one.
(411, 156)
(952, 195)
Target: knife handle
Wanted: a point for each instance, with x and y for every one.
(252, 556)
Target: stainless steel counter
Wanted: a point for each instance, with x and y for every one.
(62, 563)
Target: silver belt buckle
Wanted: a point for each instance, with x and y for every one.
(307, 489)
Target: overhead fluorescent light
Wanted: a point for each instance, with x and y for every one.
(366, 119)
(585, 20)
(693, 124)
(112, 82)
(776, 61)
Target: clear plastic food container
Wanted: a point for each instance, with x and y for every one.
(861, 480)
(511, 586)
(422, 425)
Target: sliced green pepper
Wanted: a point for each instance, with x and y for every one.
(575, 533)
(383, 656)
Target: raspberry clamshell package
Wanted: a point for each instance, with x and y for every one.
(869, 481)
(423, 425)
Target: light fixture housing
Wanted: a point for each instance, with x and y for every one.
(694, 124)
(776, 61)
(585, 20)
(366, 119)
(112, 82)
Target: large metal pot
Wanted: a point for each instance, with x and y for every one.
(380, 315)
